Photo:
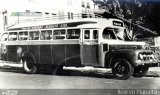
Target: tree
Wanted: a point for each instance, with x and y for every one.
(144, 14)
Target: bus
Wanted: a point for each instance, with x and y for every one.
(96, 42)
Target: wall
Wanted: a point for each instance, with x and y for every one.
(157, 41)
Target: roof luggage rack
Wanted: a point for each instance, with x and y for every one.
(55, 17)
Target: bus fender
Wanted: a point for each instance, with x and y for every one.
(109, 58)
(66, 60)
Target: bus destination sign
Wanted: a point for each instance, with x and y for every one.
(117, 23)
(45, 26)
(50, 26)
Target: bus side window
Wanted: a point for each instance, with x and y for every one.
(59, 34)
(23, 35)
(4, 37)
(46, 35)
(12, 36)
(95, 34)
(87, 34)
(73, 33)
(34, 35)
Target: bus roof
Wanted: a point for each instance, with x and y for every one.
(62, 24)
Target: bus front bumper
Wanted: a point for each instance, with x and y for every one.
(147, 63)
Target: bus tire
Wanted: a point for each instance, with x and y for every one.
(29, 66)
(140, 71)
(122, 69)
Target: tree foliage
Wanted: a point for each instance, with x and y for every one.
(141, 12)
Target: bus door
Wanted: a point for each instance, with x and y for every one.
(89, 47)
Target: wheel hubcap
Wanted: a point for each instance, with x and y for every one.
(121, 69)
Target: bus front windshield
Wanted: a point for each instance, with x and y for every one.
(111, 33)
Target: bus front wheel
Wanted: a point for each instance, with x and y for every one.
(29, 66)
(122, 69)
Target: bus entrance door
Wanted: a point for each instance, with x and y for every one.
(89, 47)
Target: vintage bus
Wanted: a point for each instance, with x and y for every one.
(97, 42)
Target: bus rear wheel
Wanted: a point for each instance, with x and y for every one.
(122, 69)
(29, 66)
(140, 71)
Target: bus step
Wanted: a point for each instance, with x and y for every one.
(7, 65)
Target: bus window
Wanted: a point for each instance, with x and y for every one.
(87, 34)
(119, 34)
(108, 34)
(12, 36)
(23, 35)
(46, 35)
(59, 34)
(4, 37)
(73, 33)
(95, 34)
(34, 35)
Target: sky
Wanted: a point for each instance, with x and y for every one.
(22, 5)
(28, 4)
(9, 4)
(35, 6)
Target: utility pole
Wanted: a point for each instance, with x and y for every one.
(5, 19)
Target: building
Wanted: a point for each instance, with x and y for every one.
(36, 9)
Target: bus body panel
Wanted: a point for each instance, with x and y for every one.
(72, 55)
(58, 54)
(90, 55)
(12, 53)
(34, 50)
(46, 54)
(3, 51)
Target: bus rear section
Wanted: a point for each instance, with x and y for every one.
(60, 47)
(44, 53)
